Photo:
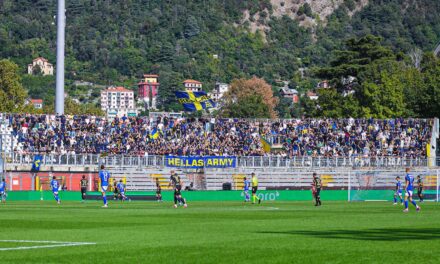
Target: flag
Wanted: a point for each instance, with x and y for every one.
(266, 145)
(154, 134)
(37, 163)
(195, 101)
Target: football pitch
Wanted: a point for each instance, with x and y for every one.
(218, 232)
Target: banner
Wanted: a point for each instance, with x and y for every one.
(195, 101)
(200, 162)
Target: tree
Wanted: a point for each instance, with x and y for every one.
(251, 106)
(376, 78)
(333, 104)
(192, 27)
(429, 96)
(382, 92)
(12, 93)
(354, 59)
(242, 88)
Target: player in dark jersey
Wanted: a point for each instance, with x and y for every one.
(158, 191)
(420, 188)
(176, 182)
(317, 184)
(115, 190)
(83, 185)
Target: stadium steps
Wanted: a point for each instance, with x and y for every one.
(163, 181)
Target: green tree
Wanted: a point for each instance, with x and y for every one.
(12, 93)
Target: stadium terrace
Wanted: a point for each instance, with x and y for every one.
(50, 134)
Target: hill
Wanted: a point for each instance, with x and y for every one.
(114, 42)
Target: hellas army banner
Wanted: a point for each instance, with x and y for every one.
(200, 162)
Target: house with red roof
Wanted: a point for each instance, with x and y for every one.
(192, 85)
(42, 64)
(148, 89)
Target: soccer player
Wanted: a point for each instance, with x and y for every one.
(247, 198)
(176, 182)
(398, 191)
(104, 176)
(420, 188)
(3, 191)
(55, 186)
(158, 191)
(115, 190)
(313, 190)
(254, 189)
(409, 184)
(121, 190)
(317, 183)
(83, 185)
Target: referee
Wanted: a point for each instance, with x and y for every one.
(83, 184)
(255, 188)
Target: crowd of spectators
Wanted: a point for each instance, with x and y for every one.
(218, 137)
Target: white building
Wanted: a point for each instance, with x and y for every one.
(37, 103)
(118, 101)
(192, 85)
(219, 90)
(44, 65)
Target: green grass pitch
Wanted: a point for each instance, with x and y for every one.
(215, 232)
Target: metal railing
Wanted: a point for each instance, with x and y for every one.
(93, 160)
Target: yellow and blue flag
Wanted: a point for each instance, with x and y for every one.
(195, 101)
(266, 145)
(154, 134)
(37, 163)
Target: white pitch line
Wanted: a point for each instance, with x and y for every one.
(54, 244)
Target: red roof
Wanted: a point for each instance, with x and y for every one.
(310, 93)
(37, 101)
(40, 58)
(118, 89)
(151, 76)
(192, 81)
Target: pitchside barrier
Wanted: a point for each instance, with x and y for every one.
(227, 184)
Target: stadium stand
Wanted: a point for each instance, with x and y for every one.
(141, 136)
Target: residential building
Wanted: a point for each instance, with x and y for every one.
(323, 84)
(37, 103)
(192, 85)
(118, 101)
(312, 95)
(45, 67)
(219, 90)
(148, 89)
(287, 92)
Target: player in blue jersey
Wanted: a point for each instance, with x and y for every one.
(121, 190)
(3, 191)
(398, 191)
(104, 176)
(409, 186)
(247, 197)
(55, 187)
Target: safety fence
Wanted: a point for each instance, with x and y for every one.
(93, 160)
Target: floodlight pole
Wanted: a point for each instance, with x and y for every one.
(61, 24)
